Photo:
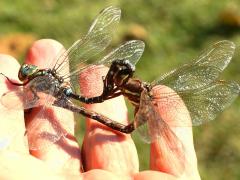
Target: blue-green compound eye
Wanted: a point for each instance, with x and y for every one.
(68, 91)
(26, 71)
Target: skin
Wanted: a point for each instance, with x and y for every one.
(105, 154)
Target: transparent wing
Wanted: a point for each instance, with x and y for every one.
(26, 97)
(44, 126)
(203, 104)
(204, 70)
(144, 115)
(95, 41)
(153, 129)
(46, 129)
(171, 147)
(217, 55)
(131, 50)
(16, 100)
(156, 114)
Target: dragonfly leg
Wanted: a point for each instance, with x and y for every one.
(35, 97)
(116, 94)
(118, 75)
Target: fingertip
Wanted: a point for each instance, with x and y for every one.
(100, 174)
(51, 121)
(43, 52)
(91, 80)
(174, 149)
(153, 175)
(100, 139)
(91, 83)
(12, 126)
(9, 66)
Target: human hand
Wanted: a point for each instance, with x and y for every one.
(105, 154)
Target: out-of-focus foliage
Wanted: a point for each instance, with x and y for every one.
(174, 31)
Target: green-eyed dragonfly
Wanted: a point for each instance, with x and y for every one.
(56, 86)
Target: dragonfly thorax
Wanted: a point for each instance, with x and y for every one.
(45, 83)
(55, 75)
(133, 89)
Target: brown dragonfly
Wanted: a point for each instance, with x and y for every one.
(196, 85)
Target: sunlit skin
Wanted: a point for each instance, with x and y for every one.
(105, 154)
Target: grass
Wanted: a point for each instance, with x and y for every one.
(174, 32)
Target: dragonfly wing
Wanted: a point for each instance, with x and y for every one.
(131, 50)
(95, 41)
(203, 104)
(144, 115)
(153, 129)
(189, 77)
(169, 150)
(22, 98)
(204, 70)
(45, 129)
(14, 100)
(217, 55)
(30, 95)
(206, 103)
(168, 105)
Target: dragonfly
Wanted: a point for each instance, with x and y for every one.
(56, 86)
(196, 85)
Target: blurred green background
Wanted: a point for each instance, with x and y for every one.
(175, 32)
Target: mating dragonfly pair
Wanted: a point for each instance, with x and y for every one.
(196, 84)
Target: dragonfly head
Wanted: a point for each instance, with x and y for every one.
(26, 71)
(123, 70)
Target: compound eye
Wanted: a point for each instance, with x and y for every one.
(22, 74)
(26, 71)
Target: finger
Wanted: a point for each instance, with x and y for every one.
(22, 166)
(100, 174)
(174, 152)
(153, 175)
(45, 126)
(104, 148)
(12, 125)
